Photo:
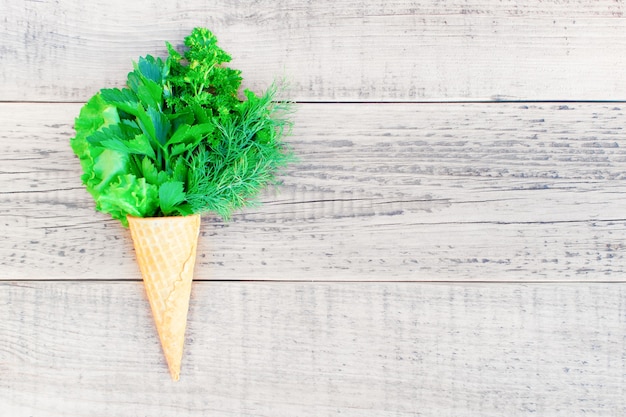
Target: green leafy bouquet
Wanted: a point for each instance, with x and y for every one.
(178, 140)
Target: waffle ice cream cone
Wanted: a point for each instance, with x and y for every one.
(166, 253)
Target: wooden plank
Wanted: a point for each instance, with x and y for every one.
(382, 192)
(394, 50)
(286, 349)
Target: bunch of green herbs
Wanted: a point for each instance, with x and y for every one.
(178, 140)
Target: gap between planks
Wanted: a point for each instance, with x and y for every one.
(315, 282)
(381, 102)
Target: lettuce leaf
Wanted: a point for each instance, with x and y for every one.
(126, 195)
(94, 115)
(106, 161)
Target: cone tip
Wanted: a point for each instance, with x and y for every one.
(175, 375)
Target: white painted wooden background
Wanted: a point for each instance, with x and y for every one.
(452, 242)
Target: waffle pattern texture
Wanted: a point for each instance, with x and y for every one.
(166, 253)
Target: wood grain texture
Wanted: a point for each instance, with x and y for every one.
(298, 349)
(392, 50)
(454, 192)
(525, 199)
